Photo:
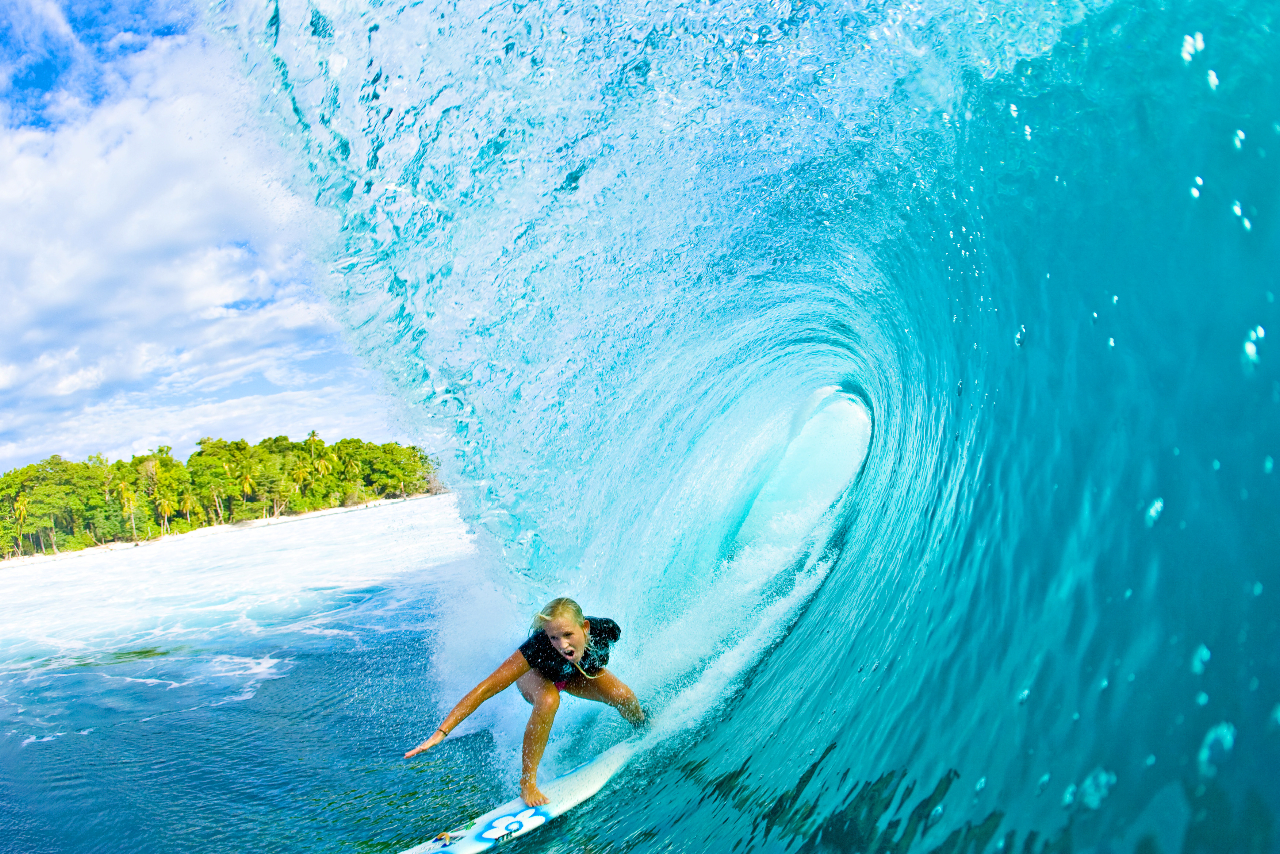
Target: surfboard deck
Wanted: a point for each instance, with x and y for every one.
(514, 818)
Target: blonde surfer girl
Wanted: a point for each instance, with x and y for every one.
(565, 652)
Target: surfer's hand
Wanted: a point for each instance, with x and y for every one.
(436, 738)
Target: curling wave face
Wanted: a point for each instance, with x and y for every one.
(1002, 271)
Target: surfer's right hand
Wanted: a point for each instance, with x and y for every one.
(436, 738)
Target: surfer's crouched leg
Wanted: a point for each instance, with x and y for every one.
(545, 698)
(607, 688)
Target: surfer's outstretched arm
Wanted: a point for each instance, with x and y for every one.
(506, 674)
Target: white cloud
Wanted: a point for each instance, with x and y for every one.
(134, 423)
(85, 378)
(155, 267)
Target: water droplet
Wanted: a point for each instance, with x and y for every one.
(1176, 452)
(1257, 588)
(1115, 299)
(1202, 699)
(1044, 781)
(1128, 592)
(1222, 737)
(1151, 760)
(1153, 515)
(1260, 332)
(1027, 130)
(1213, 80)
(1199, 181)
(1268, 464)
(1022, 698)
(1111, 342)
(1235, 208)
(1199, 657)
(1199, 41)
(1069, 796)
(1251, 351)
(981, 784)
(1095, 787)
(1248, 226)
(1013, 110)
(1195, 193)
(1102, 686)
(1017, 339)
(1188, 48)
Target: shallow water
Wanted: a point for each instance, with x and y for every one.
(645, 272)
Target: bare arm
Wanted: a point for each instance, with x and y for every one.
(499, 680)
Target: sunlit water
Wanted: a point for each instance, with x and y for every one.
(652, 277)
(234, 690)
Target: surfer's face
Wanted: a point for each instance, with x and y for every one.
(567, 637)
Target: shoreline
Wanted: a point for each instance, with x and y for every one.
(244, 525)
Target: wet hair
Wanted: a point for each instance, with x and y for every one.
(561, 607)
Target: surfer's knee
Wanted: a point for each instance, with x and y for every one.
(547, 701)
(622, 696)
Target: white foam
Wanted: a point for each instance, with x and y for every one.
(191, 589)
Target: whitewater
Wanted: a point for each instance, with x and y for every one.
(900, 376)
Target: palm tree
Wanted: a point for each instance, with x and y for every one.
(21, 505)
(128, 504)
(323, 466)
(165, 506)
(300, 475)
(244, 478)
(188, 504)
(217, 500)
(313, 440)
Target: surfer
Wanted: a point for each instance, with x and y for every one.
(565, 652)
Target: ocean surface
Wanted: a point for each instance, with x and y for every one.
(903, 378)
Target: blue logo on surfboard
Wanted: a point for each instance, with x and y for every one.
(512, 825)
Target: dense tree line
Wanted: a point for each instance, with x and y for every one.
(58, 505)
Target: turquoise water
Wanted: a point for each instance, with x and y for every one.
(651, 276)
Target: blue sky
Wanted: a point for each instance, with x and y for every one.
(156, 263)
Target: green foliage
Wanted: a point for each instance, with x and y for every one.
(59, 505)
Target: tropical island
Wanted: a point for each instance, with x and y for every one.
(62, 505)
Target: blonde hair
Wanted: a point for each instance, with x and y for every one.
(561, 607)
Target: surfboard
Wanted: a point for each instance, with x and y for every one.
(516, 818)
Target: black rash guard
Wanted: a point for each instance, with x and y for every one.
(544, 658)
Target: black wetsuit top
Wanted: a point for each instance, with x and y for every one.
(544, 658)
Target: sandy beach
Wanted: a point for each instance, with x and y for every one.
(213, 530)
